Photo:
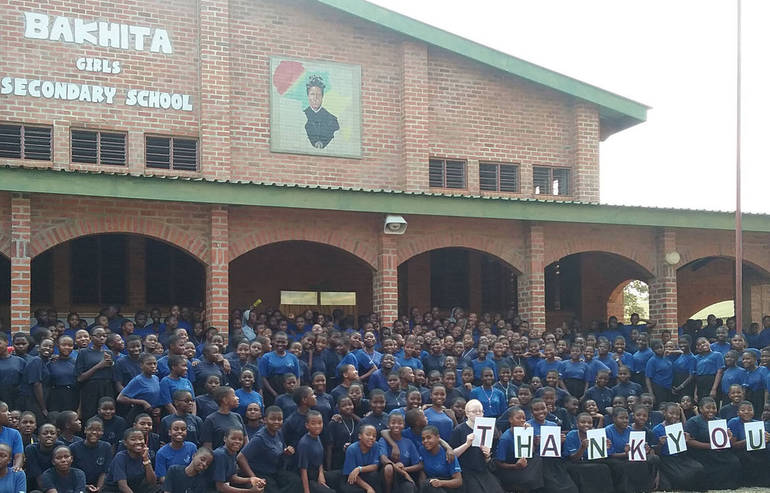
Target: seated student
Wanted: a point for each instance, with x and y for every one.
(92, 455)
(131, 469)
(466, 383)
(341, 433)
(310, 458)
(655, 416)
(678, 471)
(190, 477)
(628, 476)
(719, 466)
(11, 479)
(215, 426)
(449, 379)
(526, 474)
(552, 381)
(263, 456)
(205, 403)
(39, 456)
(183, 404)
(753, 464)
(481, 362)
(286, 400)
(324, 403)
(246, 394)
(593, 410)
(361, 464)
(548, 395)
(555, 476)
(730, 410)
(492, 400)
(434, 378)
(177, 452)
(588, 476)
(361, 406)
(476, 474)
(437, 415)
(625, 386)
(600, 393)
(114, 425)
(294, 425)
(438, 475)
(399, 470)
(69, 427)
(377, 417)
(224, 467)
(378, 379)
(62, 477)
(174, 381)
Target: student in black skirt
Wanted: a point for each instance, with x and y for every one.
(525, 474)
(589, 476)
(720, 467)
(556, 479)
(677, 469)
(628, 476)
(94, 369)
(473, 460)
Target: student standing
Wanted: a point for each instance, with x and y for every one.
(526, 474)
(94, 370)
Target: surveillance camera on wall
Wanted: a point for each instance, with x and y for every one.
(395, 225)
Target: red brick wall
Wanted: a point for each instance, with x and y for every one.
(5, 224)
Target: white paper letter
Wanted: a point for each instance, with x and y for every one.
(718, 436)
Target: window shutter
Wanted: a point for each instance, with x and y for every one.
(436, 173)
(85, 147)
(37, 143)
(185, 154)
(509, 178)
(158, 152)
(488, 176)
(455, 174)
(10, 141)
(112, 148)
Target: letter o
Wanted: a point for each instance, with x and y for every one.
(176, 101)
(722, 432)
(165, 100)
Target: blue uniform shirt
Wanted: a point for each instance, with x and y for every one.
(492, 400)
(145, 388)
(435, 464)
(660, 370)
(709, 363)
(355, 457)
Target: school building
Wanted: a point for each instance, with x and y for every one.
(216, 152)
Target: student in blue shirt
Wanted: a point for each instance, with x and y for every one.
(548, 362)
(627, 476)
(275, 364)
(411, 355)
(659, 373)
(175, 380)
(437, 415)
(625, 387)
(573, 373)
(12, 438)
(177, 452)
(641, 356)
(310, 458)
(719, 466)
(491, 398)
(263, 456)
(755, 381)
(721, 345)
(402, 470)
(678, 471)
(11, 479)
(131, 469)
(600, 393)
(143, 391)
(753, 464)
(439, 475)
(33, 391)
(589, 476)
(224, 467)
(603, 355)
(63, 396)
(362, 460)
(192, 477)
(205, 404)
(62, 477)
(92, 455)
(684, 368)
(732, 373)
(246, 394)
(709, 367)
(481, 362)
(377, 416)
(524, 473)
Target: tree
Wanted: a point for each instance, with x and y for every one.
(636, 299)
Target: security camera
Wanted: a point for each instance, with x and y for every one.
(395, 225)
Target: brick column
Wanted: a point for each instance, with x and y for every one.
(385, 281)
(21, 233)
(586, 169)
(214, 113)
(663, 295)
(531, 284)
(217, 271)
(414, 115)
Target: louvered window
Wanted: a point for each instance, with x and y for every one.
(445, 173)
(551, 181)
(499, 177)
(25, 142)
(97, 147)
(175, 153)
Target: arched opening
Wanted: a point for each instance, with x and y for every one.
(449, 277)
(133, 271)
(300, 275)
(5, 292)
(630, 296)
(709, 280)
(720, 309)
(587, 286)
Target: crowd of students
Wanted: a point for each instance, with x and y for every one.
(317, 403)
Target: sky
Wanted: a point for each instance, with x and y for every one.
(678, 57)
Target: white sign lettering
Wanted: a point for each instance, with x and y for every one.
(104, 34)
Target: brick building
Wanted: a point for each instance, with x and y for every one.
(163, 152)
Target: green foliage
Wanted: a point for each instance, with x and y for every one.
(636, 299)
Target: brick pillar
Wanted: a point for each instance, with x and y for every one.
(531, 284)
(21, 233)
(214, 42)
(385, 281)
(586, 169)
(414, 115)
(663, 295)
(217, 271)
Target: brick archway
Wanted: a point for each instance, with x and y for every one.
(645, 266)
(640, 255)
(688, 255)
(494, 247)
(252, 241)
(49, 238)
